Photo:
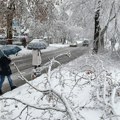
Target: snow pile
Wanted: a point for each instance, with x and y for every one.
(84, 89)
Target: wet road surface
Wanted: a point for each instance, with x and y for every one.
(24, 63)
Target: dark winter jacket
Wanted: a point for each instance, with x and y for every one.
(4, 66)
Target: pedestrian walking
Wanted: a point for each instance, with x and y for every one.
(5, 71)
(24, 43)
(113, 42)
(36, 60)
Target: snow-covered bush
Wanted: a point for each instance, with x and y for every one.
(80, 90)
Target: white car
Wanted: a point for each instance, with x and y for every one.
(73, 44)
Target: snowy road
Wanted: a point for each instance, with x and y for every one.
(25, 63)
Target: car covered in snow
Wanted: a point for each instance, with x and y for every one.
(73, 44)
(85, 43)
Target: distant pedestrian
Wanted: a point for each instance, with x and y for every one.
(5, 71)
(24, 43)
(113, 42)
(36, 60)
(27, 39)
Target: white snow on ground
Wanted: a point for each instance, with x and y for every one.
(62, 81)
(108, 45)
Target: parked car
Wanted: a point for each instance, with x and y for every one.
(2, 39)
(85, 43)
(16, 40)
(73, 44)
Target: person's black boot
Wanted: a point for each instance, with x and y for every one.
(13, 87)
(1, 92)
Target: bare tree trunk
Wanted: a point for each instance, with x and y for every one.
(63, 40)
(99, 34)
(97, 30)
(9, 28)
(10, 13)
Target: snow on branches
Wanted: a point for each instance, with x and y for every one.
(80, 90)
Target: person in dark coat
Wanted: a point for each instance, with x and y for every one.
(5, 71)
(24, 43)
